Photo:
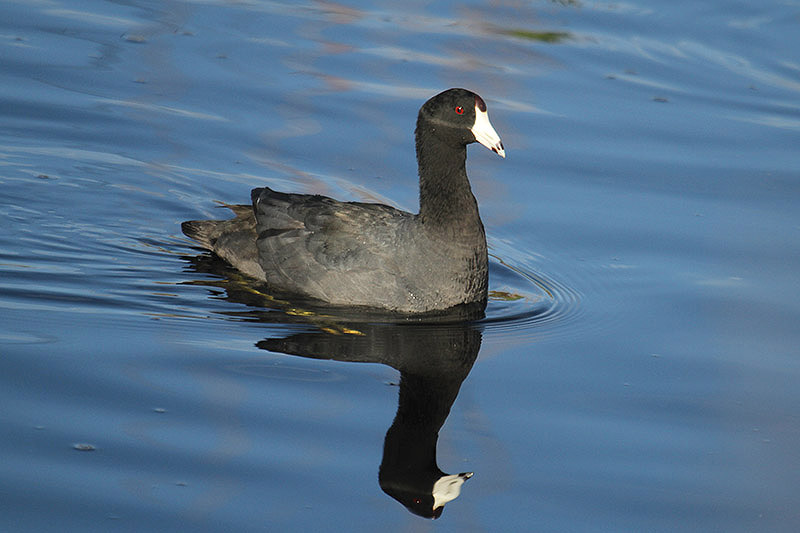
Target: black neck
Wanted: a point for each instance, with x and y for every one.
(445, 196)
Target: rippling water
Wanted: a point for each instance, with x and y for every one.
(637, 366)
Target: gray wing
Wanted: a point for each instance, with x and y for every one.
(340, 252)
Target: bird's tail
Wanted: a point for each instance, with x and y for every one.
(202, 231)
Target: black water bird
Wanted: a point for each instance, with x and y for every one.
(372, 255)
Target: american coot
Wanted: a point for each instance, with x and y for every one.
(373, 255)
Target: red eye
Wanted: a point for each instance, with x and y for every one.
(459, 110)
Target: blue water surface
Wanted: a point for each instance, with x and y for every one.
(638, 365)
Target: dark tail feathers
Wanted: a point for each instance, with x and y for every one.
(200, 230)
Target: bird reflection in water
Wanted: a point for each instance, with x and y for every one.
(433, 355)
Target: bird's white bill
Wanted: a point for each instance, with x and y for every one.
(484, 132)
(447, 488)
